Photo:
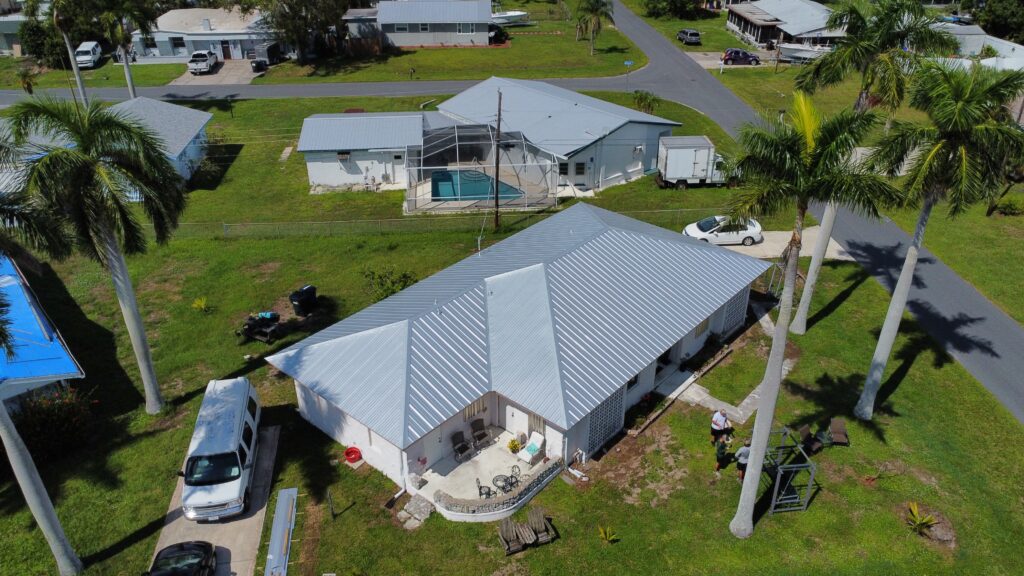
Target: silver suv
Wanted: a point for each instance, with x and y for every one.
(688, 36)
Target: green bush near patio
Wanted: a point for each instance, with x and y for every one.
(108, 75)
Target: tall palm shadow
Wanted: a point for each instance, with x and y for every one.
(835, 396)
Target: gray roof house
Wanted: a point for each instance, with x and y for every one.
(548, 336)
(799, 21)
(182, 129)
(422, 23)
(231, 33)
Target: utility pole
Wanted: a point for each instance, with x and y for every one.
(497, 163)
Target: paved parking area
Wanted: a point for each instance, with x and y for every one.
(227, 72)
(713, 60)
(237, 539)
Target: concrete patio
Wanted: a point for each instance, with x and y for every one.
(458, 479)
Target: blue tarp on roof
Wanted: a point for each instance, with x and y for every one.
(40, 355)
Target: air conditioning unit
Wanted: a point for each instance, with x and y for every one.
(344, 156)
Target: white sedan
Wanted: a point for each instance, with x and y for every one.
(720, 230)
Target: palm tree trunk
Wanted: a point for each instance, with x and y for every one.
(38, 500)
(828, 221)
(992, 203)
(74, 69)
(861, 105)
(133, 321)
(742, 525)
(866, 405)
(127, 70)
(591, 40)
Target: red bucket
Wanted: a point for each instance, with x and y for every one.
(353, 455)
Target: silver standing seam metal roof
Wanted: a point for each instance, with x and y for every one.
(555, 318)
(795, 17)
(333, 132)
(176, 125)
(433, 12)
(686, 141)
(558, 120)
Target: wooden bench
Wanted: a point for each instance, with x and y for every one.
(837, 430)
(541, 525)
(508, 536)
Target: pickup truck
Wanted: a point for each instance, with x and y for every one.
(202, 61)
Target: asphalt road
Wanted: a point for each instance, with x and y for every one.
(979, 335)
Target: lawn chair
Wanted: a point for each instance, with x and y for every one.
(837, 430)
(509, 539)
(811, 444)
(459, 445)
(541, 525)
(533, 449)
(479, 430)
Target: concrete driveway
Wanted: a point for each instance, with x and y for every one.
(238, 539)
(227, 72)
(776, 241)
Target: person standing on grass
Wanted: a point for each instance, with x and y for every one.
(721, 456)
(720, 425)
(742, 456)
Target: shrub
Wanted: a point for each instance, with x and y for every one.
(53, 423)
(919, 523)
(514, 446)
(386, 281)
(200, 305)
(607, 535)
(1010, 207)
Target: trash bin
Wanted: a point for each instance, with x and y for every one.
(258, 65)
(303, 300)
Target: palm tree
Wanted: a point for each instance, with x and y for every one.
(792, 164)
(590, 14)
(958, 157)
(884, 43)
(91, 183)
(58, 8)
(116, 21)
(645, 101)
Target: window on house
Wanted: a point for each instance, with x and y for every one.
(581, 169)
(401, 27)
(424, 27)
(467, 28)
(177, 42)
(149, 42)
(398, 156)
(632, 382)
(702, 327)
(477, 407)
(563, 168)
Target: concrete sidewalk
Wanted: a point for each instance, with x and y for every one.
(238, 539)
(775, 242)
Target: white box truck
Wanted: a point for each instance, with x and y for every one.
(686, 160)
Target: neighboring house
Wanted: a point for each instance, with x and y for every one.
(231, 33)
(792, 21)
(598, 144)
(12, 16)
(555, 331)
(182, 129)
(973, 39)
(41, 357)
(415, 23)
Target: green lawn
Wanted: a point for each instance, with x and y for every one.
(108, 75)
(985, 251)
(714, 36)
(736, 376)
(547, 50)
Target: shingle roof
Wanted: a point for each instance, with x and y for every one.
(433, 11)
(363, 131)
(176, 125)
(40, 355)
(556, 318)
(556, 119)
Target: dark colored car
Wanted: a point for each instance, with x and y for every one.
(688, 36)
(185, 559)
(739, 56)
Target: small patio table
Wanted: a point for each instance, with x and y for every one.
(501, 482)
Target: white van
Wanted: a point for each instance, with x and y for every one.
(221, 457)
(88, 54)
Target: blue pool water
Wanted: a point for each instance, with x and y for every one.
(468, 185)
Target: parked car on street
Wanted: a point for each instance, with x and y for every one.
(88, 54)
(688, 36)
(185, 559)
(722, 230)
(739, 56)
(202, 62)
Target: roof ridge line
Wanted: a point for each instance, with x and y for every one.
(585, 105)
(554, 342)
(405, 385)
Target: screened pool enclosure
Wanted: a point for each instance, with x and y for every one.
(454, 170)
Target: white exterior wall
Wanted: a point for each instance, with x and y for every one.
(644, 384)
(614, 159)
(436, 35)
(363, 166)
(189, 159)
(348, 431)
(437, 443)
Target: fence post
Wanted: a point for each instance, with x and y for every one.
(225, 229)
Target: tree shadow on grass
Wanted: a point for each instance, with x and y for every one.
(136, 536)
(613, 50)
(833, 396)
(219, 159)
(307, 446)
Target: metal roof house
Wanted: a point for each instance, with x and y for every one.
(551, 333)
(182, 129)
(231, 33)
(41, 357)
(422, 23)
(797, 21)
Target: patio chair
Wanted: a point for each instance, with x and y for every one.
(533, 448)
(484, 491)
(479, 430)
(459, 445)
(508, 537)
(541, 525)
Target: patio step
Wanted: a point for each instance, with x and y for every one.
(415, 512)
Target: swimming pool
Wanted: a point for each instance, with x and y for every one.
(468, 185)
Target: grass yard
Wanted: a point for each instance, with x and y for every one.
(714, 36)
(547, 50)
(108, 75)
(985, 251)
(736, 376)
(656, 492)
